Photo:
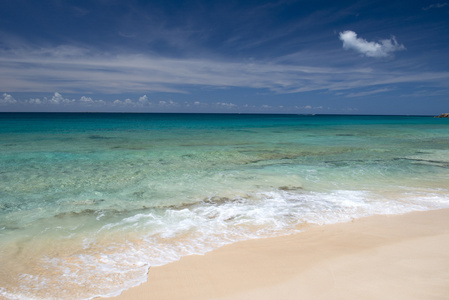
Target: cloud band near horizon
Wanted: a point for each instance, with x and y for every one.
(76, 70)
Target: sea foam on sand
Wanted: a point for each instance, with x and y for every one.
(378, 257)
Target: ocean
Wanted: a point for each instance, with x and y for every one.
(89, 202)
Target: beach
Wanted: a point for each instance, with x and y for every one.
(378, 257)
(92, 205)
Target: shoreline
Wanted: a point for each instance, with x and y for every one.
(378, 257)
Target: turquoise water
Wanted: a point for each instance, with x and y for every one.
(89, 202)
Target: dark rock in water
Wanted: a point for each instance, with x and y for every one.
(446, 115)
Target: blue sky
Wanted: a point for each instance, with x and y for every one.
(328, 57)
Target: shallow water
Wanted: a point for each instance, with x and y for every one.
(88, 202)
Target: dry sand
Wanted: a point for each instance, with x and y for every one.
(380, 257)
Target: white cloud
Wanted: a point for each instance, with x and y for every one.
(85, 99)
(7, 99)
(88, 101)
(227, 105)
(35, 101)
(167, 103)
(143, 99)
(371, 49)
(436, 5)
(308, 107)
(59, 99)
(127, 102)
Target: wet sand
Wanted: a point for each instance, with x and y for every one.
(379, 257)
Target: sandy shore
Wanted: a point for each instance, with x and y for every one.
(380, 257)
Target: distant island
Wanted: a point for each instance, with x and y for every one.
(446, 115)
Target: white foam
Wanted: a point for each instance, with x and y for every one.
(160, 237)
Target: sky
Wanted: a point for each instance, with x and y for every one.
(286, 56)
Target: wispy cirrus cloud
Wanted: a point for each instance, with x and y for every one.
(80, 70)
(368, 93)
(436, 5)
(383, 48)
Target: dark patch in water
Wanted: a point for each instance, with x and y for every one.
(437, 163)
(290, 188)
(139, 194)
(163, 162)
(345, 134)
(245, 130)
(98, 137)
(217, 200)
(77, 213)
(231, 218)
(337, 163)
(5, 206)
(8, 227)
(127, 148)
(178, 206)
